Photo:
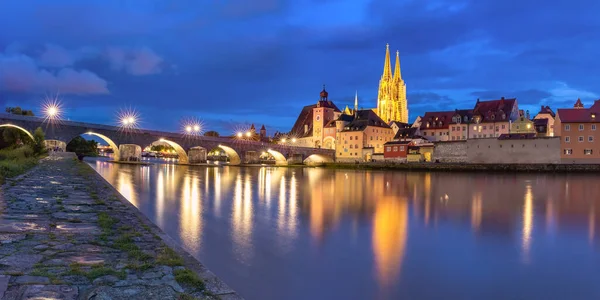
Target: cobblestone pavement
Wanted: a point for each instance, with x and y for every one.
(66, 234)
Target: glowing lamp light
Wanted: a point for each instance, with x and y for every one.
(196, 128)
(162, 140)
(188, 128)
(51, 109)
(239, 134)
(283, 140)
(248, 133)
(293, 140)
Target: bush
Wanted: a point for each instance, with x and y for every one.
(16, 160)
(39, 146)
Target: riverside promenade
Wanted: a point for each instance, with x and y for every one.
(65, 233)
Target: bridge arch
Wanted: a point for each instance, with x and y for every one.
(234, 157)
(111, 143)
(317, 159)
(279, 158)
(20, 128)
(183, 157)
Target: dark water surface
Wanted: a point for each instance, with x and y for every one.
(292, 233)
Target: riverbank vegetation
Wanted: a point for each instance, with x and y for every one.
(20, 153)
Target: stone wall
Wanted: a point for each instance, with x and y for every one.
(197, 155)
(450, 152)
(527, 151)
(130, 152)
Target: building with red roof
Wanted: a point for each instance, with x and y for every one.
(493, 118)
(435, 125)
(577, 128)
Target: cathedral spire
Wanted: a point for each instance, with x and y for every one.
(397, 74)
(387, 67)
(356, 101)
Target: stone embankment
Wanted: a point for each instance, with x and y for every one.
(65, 233)
(466, 167)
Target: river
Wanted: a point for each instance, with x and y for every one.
(310, 233)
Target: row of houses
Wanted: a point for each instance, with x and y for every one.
(568, 136)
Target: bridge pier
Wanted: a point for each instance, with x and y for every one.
(52, 144)
(130, 152)
(251, 157)
(295, 159)
(197, 155)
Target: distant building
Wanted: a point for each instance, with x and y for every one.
(395, 125)
(361, 135)
(435, 126)
(308, 131)
(577, 128)
(523, 124)
(396, 150)
(493, 118)
(459, 126)
(546, 113)
(391, 98)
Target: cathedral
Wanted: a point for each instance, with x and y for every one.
(391, 98)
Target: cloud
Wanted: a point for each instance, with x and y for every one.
(56, 56)
(20, 73)
(140, 61)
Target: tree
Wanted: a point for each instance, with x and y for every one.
(13, 136)
(81, 147)
(161, 148)
(211, 133)
(38, 141)
(17, 110)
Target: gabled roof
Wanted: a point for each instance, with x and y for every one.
(494, 110)
(547, 110)
(436, 120)
(328, 104)
(305, 118)
(364, 118)
(399, 124)
(462, 113)
(580, 115)
(407, 133)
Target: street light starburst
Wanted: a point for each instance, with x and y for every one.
(51, 109)
(192, 127)
(128, 119)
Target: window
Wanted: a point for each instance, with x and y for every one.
(388, 149)
(591, 138)
(567, 139)
(484, 127)
(568, 151)
(401, 148)
(503, 126)
(395, 149)
(593, 126)
(587, 151)
(497, 127)
(350, 137)
(351, 146)
(580, 139)
(580, 127)
(567, 127)
(356, 146)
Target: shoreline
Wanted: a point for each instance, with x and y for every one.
(470, 167)
(68, 232)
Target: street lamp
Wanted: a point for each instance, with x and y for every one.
(283, 140)
(248, 133)
(188, 129)
(239, 134)
(51, 109)
(196, 128)
(293, 140)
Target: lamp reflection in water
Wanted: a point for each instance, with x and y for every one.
(476, 208)
(160, 199)
(241, 219)
(191, 213)
(390, 231)
(527, 221)
(126, 188)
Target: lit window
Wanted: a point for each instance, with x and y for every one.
(568, 151)
(395, 149)
(388, 149)
(587, 151)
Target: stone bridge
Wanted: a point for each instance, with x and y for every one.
(191, 149)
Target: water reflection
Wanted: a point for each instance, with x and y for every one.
(280, 233)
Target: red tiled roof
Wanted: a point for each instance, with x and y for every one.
(580, 115)
(547, 110)
(437, 120)
(493, 110)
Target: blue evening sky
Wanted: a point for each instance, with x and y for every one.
(232, 62)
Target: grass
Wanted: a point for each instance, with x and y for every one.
(169, 257)
(189, 278)
(15, 161)
(95, 271)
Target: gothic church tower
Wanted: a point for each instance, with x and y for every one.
(391, 98)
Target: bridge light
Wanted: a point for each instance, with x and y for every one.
(293, 140)
(196, 128)
(51, 109)
(248, 133)
(89, 132)
(239, 134)
(188, 128)
(161, 140)
(283, 140)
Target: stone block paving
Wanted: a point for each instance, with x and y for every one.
(64, 234)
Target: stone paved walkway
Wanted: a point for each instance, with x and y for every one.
(66, 234)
